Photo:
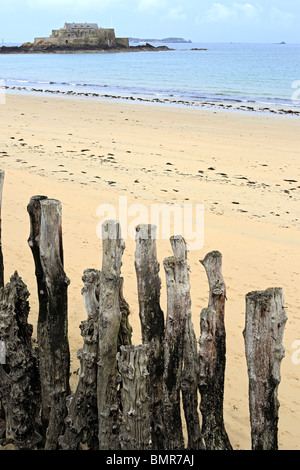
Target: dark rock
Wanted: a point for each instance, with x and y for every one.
(33, 49)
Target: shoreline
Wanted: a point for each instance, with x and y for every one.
(227, 105)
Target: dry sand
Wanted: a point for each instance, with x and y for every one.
(244, 168)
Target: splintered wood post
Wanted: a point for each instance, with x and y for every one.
(135, 427)
(212, 356)
(19, 378)
(2, 173)
(177, 306)
(109, 329)
(56, 323)
(34, 210)
(152, 323)
(82, 420)
(189, 381)
(265, 322)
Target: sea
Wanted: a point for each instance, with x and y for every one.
(249, 76)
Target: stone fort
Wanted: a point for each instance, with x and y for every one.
(82, 34)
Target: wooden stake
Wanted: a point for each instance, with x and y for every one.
(34, 210)
(19, 378)
(152, 323)
(189, 381)
(109, 328)
(82, 420)
(212, 355)
(54, 357)
(135, 427)
(177, 306)
(2, 174)
(265, 322)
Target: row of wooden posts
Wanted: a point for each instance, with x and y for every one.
(129, 397)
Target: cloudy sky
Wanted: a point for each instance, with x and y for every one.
(201, 21)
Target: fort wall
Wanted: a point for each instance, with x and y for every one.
(81, 36)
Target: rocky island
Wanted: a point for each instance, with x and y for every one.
(80, 37)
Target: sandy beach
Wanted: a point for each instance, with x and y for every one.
(244, 167)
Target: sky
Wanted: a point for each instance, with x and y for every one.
(264, 21)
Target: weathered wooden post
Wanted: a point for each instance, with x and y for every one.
(109, 329)
(177, 307)
(19, 378)
(212, 356)
(34, 210)
(2, 174)
(54, 355)
(82, 420)
(265, 322)
(152, 324)
(135, 427)
(189, 380)
(51, 253)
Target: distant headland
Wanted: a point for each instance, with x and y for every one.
(80, 37)
(165, 40)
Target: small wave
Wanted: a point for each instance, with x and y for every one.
(144, 93)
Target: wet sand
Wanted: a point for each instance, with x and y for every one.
(243, 166)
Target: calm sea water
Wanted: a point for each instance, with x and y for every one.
(258, 73)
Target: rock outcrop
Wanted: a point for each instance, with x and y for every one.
(30, 48)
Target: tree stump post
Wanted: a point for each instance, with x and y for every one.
(2, 174)
(34, 210)
(135, 427)
(265, 322)
(177, 306)
(189, 380)
(19, 377)
(152, 324)
(46, 243)
(109, 329)
(212, 357)
(82, 420)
